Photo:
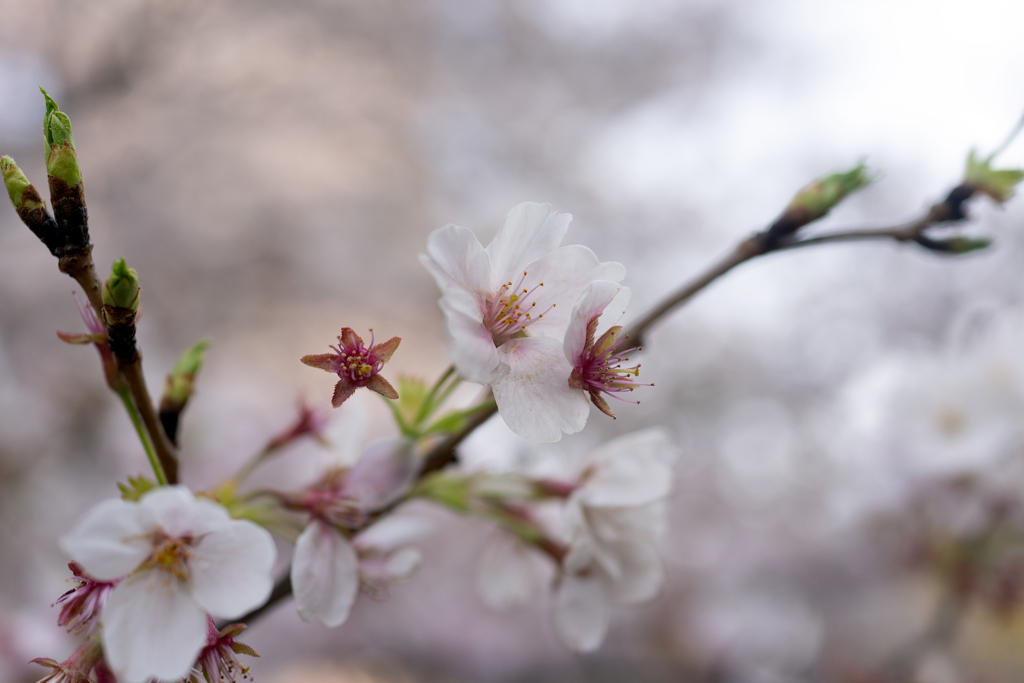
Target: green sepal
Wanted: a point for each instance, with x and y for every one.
(178, 388)
(122, 290)
(17, 183)
(818, 198)
(136, 487)
(456, 420)
(443, 488)
(998, 184)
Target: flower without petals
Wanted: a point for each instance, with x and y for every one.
(184, 557)
(506, 308)
(614, 518)
(356, 365)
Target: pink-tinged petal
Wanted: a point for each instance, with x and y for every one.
(565, 272)
(640, 572)
(231, 569)
(391, 533)
(110, 540)
(530, 231)
(471, 349)
(457, 259)
(325, 575)
(385, 472)
(381, 386)
(152, 628)
(632, 470)
(402, 565)
(324, 361)
(343, 390)
(591, 303)
(534, 397)
(582, 612)
(385, 350)
(349, 338)
(179, 513)
(510, 572)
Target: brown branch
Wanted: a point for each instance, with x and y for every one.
(144, 404)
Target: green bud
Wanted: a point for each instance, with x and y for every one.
(818, 198)
(997, 184)
(179, 382)
(61, 157)
(121, 290)
(446, 489)
(17, 183)
(963, 245)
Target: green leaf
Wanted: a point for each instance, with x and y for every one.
(999, 184)
(136, 487)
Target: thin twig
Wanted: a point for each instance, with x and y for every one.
(140, 395)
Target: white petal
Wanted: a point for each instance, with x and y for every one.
(610, 525)
(457, 259)
(534, 396)
(640, 572)
(582, 612)
(530, 231)
(385, 472)
(179, 513)
(231, 569)
(391, 533)
(632, 470)
(110, 540)
(592, 302)
(565, 272)
(402, 565)
(325, 575)
(471, 347)
(510, 572)
(152, 628)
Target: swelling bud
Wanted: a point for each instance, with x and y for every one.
(23, 195)
(1000, 184)
(817, 199)
(61, 157)
(122, 290)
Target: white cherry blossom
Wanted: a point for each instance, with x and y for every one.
(614, 518)
(506, 309)
(182, 557)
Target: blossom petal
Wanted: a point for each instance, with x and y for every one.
(152, 628)
(592, 302)
(391, 533)
(530, 231)
(582, 612)
(343, 390)
(385, 350)
(325, 574)
(231, 569)
(534, 397)
(510, 572)
(632, 470)
(110, 540)
(565, 272)
(456, 259)
(641, 573)
(471, 349)
(178, 512)
(385, 472)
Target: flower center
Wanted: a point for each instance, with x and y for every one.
(357, 360)
(600, 370)
(171, 555)
(510, 310)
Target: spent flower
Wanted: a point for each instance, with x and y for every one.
(82, 604)
(356, 364)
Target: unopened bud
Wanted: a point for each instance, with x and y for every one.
(121, 290)
(997, 184)
(818, 198)
(61, 157)
(179, 382)
(23, 195)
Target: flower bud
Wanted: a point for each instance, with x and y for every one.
(23, 194)
(179, 382)
(997, 184)
(818, 198)
(121, 290)
(61, 157)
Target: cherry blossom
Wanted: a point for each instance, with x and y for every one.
(182, 557)
(356, 365)
(218, 661)
(506, 309)
(325, 568)
(82, 604)
(614, 518)
(596, 359)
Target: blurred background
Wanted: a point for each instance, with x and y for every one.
(849, 416)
